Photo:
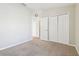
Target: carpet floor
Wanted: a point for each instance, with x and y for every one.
(38, 47)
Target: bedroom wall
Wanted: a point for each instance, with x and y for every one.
(15, 24)
(77, 27)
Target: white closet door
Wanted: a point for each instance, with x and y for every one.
(53, 28)
(63, 29)
(44, 28)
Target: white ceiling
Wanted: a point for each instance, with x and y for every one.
(46, 5)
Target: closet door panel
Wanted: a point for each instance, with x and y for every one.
(63, 29)
(44, 28)
(53, 28)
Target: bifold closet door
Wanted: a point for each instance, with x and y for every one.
(53, 28)
(63, 29)
(44, 28)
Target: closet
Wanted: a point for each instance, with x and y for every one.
(63, 29)
(55, 28)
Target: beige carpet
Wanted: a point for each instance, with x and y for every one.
(38, 47)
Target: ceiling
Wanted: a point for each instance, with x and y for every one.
(46, 5)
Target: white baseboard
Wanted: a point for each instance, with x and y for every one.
(14, 45)
(77, 49)
(63, 43)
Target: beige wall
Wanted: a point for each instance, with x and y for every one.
(64, 10)
(77, 27)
